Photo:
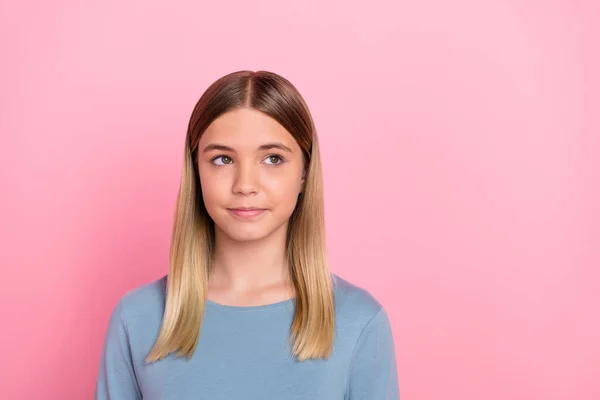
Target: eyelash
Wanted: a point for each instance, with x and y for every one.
(281, 159)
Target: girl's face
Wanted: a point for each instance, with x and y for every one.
(246, 159)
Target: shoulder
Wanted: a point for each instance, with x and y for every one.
(146, 300)
(351, 295)
(136, 318)
(354, 304)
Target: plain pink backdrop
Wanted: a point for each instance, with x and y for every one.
(460, 142)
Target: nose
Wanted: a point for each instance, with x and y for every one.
(246, 180)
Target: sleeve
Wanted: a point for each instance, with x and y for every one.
(373, 372)
(116, 376)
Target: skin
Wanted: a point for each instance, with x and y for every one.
(249, 266)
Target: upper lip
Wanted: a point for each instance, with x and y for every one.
(246, 208)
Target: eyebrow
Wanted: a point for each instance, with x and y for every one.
(266, 146)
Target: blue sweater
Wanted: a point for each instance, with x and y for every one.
(243, 352)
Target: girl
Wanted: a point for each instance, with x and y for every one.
(249, 308)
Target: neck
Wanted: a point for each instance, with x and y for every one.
(247, 265)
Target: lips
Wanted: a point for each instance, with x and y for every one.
(247, 212)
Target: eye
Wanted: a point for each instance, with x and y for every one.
(226, 160)
(273, 158)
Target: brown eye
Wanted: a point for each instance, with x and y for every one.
(225, 159)
(274, 159)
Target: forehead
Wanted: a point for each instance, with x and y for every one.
(246, 127)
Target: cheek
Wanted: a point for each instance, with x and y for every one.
(212, 189)
(283, 192)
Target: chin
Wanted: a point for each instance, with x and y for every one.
(246, 231)
(245, 235)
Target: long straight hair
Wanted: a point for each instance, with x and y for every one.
(192, 241)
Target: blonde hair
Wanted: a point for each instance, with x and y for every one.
(192, 242)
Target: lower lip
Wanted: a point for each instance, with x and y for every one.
(247, 213)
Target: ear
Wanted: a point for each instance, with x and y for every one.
(302, 181)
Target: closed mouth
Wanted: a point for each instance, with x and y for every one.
(247, 213)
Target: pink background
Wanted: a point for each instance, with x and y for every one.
(460, 142)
